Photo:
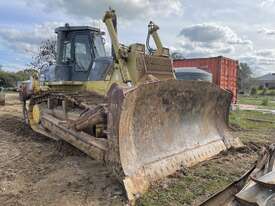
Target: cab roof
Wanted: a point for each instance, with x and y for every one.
(68, 28)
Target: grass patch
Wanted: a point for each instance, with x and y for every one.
(267, 102)
(248, 119)
(202, 181)
(251, 130)
(266, 92)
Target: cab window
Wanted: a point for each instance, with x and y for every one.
(99, 49)
(82, 50)
(66, 51)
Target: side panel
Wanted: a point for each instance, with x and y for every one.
(210, 65)
(228, 76)
(100, 87)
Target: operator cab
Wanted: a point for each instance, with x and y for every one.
(79, 48)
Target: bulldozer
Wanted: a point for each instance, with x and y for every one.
(127, 110)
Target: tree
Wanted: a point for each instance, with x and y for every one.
(253, 91)
(10, 79)
(245, 71)
(245, 80)
(7, 79)
(46, 55)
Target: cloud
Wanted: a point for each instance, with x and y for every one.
(266, 53)
(266, 3)
(261, 61)
(29, 40)
(208, 33)
(127, 9)
(191, 49)
(209, 39)
(25, 23)
(268, 32)
(12, 67)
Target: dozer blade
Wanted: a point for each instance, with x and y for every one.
(158, 127)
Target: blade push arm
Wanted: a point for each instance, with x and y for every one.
(121, 52)
(152, 31)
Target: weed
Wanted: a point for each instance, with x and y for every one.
(265, 101)
(253, 91)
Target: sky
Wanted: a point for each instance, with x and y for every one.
(239, 29)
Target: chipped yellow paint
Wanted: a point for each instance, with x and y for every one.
(100, 87)
(36, 114)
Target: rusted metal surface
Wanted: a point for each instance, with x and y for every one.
(257, 187)
(158, 127)
(92, 146)
(85, 99)
(90, 117)
(224, 71)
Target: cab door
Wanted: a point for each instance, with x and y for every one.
(83, 56)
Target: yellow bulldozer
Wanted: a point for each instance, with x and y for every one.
(127, 110)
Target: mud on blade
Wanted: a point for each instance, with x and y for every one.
(156, 128)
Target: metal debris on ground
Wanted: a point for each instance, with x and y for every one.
(256, 187)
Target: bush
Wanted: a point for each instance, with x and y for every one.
(261, 87)
(264, 91)
(253, 91)
(265, 102)
(9, 79)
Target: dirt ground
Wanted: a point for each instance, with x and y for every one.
(37, 171)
